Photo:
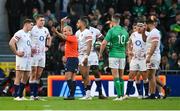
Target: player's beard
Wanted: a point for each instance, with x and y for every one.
(78, 27)
(148, 29)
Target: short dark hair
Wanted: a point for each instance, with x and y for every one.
(85, 20)
(27, 21)
(116, 18)
(151, 20)
(39, 16)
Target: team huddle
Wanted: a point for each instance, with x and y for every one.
(142, 48)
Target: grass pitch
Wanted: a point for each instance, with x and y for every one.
(57, 103)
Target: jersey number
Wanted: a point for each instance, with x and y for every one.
(121, 39)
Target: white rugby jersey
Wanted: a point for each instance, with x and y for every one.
(139, 46)
(95, 35)
(154, 35)
(38, 38)
(83, 38)
(23, 42)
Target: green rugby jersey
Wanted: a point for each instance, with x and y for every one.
(118, 37)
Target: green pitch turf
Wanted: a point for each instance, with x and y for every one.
(57, 103)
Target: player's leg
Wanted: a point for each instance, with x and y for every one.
(132, 74)
(114, 65)
(37, 79)
(40, 67)
(151, 71)
(117, 85)
(133, 71)
(145, 83)
(32, 82)
(121, 67)
(84, 70)
(143, 69)
(95, 72)
(121, 73)
(138, 85)
(17, 83)
(32, 79)
(152, 83)
(24, 79)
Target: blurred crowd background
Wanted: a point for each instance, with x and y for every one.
(99, 12)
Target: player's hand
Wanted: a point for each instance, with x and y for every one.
(33, 51)
(130, 53)
(20, 53)
(148, 59)
(46, 49)
(129, 59)
(85, 62)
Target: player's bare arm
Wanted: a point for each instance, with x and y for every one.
(129, 49)
(144, 36)
(12, 45)
(89, 45)
(151, 51)
(103, 46)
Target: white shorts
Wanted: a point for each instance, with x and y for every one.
(38, 60)
(23, 64)
(154, 64)
(81, 59)
(93, 59)
(137, 65)
(117, 63)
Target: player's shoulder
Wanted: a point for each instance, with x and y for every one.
(77, 32)
(147, 33)
(155, 32)
(94, 29)
(19, 32)
(87, 31)
(45, 28)
(124, 30)
(34, 27)
(133, 34)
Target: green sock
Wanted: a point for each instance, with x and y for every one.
(122, 86)
(117, 86)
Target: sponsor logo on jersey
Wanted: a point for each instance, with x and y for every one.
(41, 38)
(138, 43)
(28, 43)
